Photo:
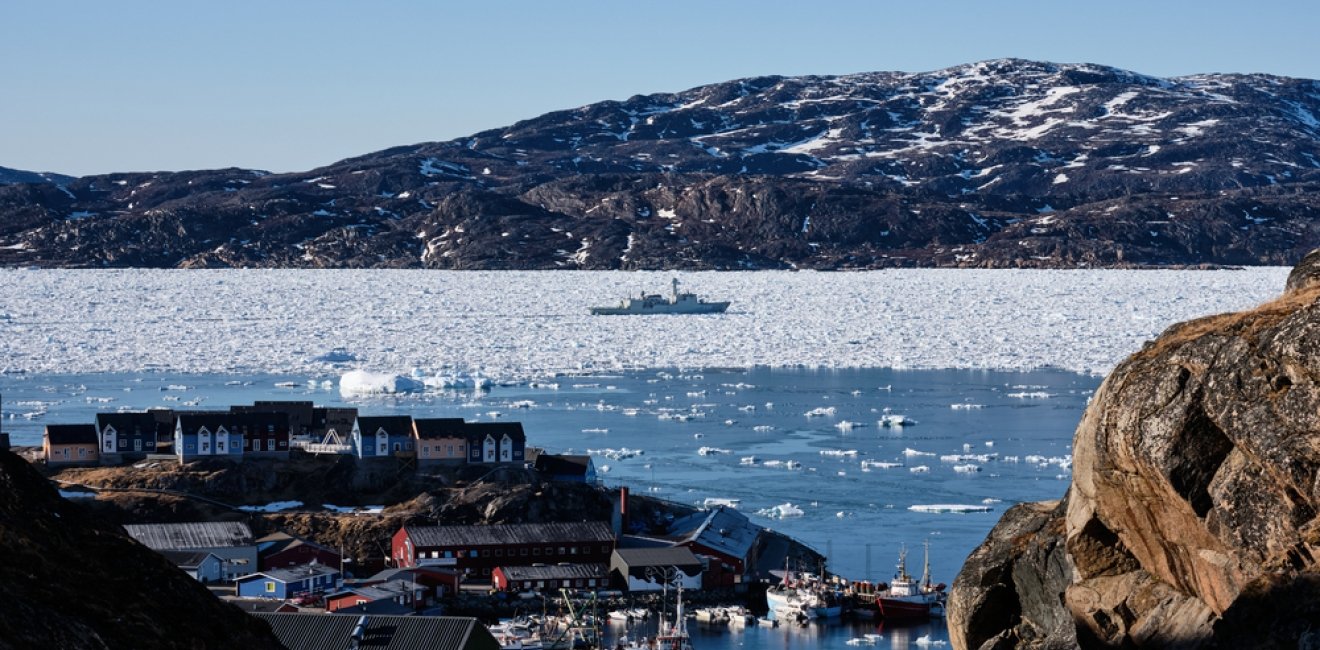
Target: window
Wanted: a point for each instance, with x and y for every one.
(572, 550)
(536, 551)
(451, 451)
(82, 452)
(485, 553)
(206, 446)
(270, 587)
(137, 444)
(396, 446)
(426, 450)
(604, 548)
(123, 443)
(561, 550)
(220, 446)
(499, 552)
(485, 572)
(549, 550)
(523, 552)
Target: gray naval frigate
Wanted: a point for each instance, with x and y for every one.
(654, 303)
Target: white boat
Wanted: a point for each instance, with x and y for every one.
(794, 614)
(654, 303)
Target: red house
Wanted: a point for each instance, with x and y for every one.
(478, 550)
(550, 577)
(279, 550)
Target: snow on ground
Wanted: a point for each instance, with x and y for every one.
(513, 325)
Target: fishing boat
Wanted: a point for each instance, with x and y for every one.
(674, 636)
(908, 598)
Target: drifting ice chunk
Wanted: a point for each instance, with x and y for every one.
(748, 460)
(896, 421)
(965, 406)
(711, 502)
(839, 453)
(361, 382)
(781, 511)
(967, 469)
(821, 411)
(848, 425)
(919, 469)
(879, 464)
(910, 452)
(711, 451)
(949, 507)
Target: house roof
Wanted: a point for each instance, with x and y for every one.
(648, 557)
(187, 559)
(71, 434)
(496, 429)
(294, 573)
(499, 535)
(409, 573)
(431, 428)
(396, 425)
(127, 421)
(722, 529)
(279, 542)
(378, 607)
(335, 632)
(195, 535)
(555, 571)
(255, 421)
(563, 465)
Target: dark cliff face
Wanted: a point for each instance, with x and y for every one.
(1191, 520)
(998, 163)
(68, 581)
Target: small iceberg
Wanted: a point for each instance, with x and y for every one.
(712, 502)
(711, 451)
(781, 511)
(820, 411)
(949, 507)
(361, 382)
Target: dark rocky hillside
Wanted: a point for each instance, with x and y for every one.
(992, 164)
(69, 581)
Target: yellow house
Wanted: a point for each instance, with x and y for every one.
(70, 444)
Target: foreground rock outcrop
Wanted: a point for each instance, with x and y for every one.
(1191, 520)
(72, 582)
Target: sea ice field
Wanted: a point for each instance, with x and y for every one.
(858, 412)
(508, 325)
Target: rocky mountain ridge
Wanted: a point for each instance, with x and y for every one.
(1191, 520)
(997, 163)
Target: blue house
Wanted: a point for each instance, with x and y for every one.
(283, 584)
(207, 434)
(204, 567)
(383, 436)
(562, 468)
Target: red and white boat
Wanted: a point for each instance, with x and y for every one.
(909, 599)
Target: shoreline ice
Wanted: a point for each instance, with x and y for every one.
(526, 325)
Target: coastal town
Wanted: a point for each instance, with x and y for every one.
(581, 576)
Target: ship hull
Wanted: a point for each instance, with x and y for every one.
(896, 609)
(702, 308)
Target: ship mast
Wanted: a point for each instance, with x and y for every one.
(925, 572)
(675, 291)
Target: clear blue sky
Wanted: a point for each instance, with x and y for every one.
(99, 86)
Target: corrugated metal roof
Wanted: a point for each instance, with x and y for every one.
(646, 557)
(196, 535)
(71, 434)
(295, 573)
(334, 632)
(499, 535)
(186, 559)
(723, 529)
(555, 572)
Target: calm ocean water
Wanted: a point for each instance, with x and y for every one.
(787, 445)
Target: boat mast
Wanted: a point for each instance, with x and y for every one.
(925, 572)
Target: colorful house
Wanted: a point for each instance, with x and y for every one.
(726, 538)
(203, 566)
(440, 440)
(279, 550)
(70, 444)
(207, 434)
(495, 442)
(382, 436)
(131, 435)
(283, 584)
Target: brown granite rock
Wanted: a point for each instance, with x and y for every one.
(1191, 518)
